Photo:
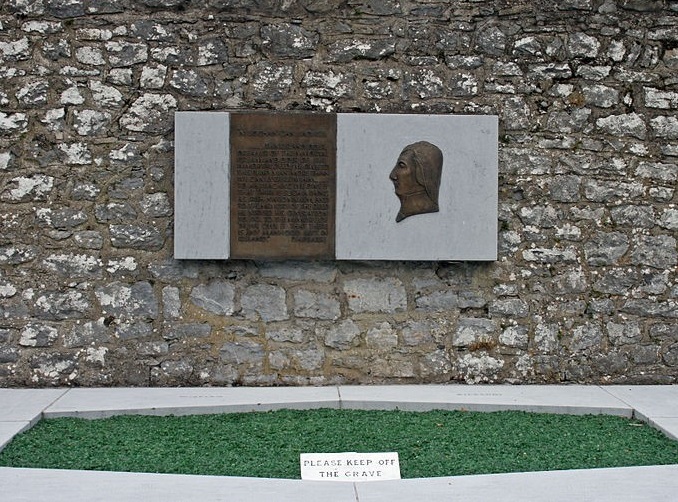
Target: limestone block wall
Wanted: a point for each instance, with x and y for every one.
(585, 288)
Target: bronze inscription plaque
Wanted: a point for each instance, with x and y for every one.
(283, 177)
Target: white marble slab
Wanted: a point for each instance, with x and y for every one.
(201, 185)
(465, 228)
(651, 401)
(567, 399)
(32, 485)
(10, 429)
(668, 426)
(26, 405)
(98, 403)
(641, 484)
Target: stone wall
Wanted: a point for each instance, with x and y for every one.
(585, 289)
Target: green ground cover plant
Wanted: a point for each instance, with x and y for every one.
(268, 444)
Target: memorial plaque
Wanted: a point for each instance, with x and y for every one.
(283, 176)
(346, 186)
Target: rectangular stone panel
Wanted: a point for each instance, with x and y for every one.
(345, 186)
(201, 185)
(283, 185)
(465, 225)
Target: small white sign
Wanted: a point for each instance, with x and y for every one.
(353, 467)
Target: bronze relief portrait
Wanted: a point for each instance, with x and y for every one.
(416, 179)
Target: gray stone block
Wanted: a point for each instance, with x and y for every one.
(265, 302)
(375, 295)
(216, 297)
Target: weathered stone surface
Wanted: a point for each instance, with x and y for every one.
(265, 302)
(381, 337)
(171, 302)
(547, 338)
(542, 255)
(665, 127)
(64, 218)
(623, 334)
(605, 191)
(145, 237)
(586, 337)
(291, 334)
(477, 369)
(14, 255)
(375, 295)
(515, 336)
(216, 297)
(89, 333)
(583, 45)
(655, 251)
(491, 40)
(316, 305)
(348, 50)
(417, 333)
(289, 41)
(115, 212)
(584, 289)
(189, 330)
(156, 205)
(245, 352)
(52, 368)
(56, 305)
(38, 335)
(329, 85)
(658, 171)
(133, 330)
(511, 307)
(651, 308)
(122, 300)
(615, 281)
(189, 82)
(606, 248)
(74, 265)
(299, 271)
(473, 330)
(638, 216)
(271, 82)
(150, 113)
(342, 336)
(623, 125)
(33, 188)
(601, 96)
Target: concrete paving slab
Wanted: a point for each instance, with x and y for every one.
(570, 399)
(26, 404)
(633, 483)
(19, 485)
(99, 403)
(650, 401)
(656, 483)
(668, 425)
(10, 429)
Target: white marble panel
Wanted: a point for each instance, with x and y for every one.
(201, 185)
(465, 228)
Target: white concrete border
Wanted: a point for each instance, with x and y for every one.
(658, 405)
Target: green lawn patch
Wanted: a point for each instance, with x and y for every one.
(435, 443)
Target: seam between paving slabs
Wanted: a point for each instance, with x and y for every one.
(635, 414)
(42, 415)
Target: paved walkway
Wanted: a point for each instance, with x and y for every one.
(658, 405)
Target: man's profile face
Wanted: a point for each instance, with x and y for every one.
(403, 175)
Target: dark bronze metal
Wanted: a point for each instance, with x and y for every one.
(416, 178)
(283, 179)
